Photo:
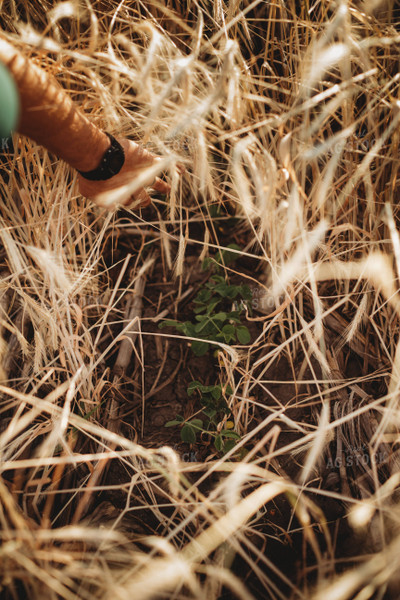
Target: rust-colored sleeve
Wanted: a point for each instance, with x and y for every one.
(50, 117)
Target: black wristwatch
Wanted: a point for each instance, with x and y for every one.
(111, 163)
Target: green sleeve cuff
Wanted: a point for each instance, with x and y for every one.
(9, 103)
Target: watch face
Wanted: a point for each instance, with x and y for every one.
(115, 161)
(111, 164)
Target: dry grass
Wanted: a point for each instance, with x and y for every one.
(286, 115)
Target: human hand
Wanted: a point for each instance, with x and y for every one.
(137, 160)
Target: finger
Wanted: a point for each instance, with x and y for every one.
(161, 186)
(143, 199)
(140, 200)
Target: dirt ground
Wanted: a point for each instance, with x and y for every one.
(169, 367)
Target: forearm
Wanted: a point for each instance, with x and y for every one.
(49, 116)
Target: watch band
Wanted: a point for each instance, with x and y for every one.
(111, 163)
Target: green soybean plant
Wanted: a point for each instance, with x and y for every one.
(218, 308)
(215, 408)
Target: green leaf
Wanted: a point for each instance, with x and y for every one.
(218, 443)
(168, 323)
(189, 329)
(228, 328)
(228, 433)
(200, 309)
(210, 413)
(206, 389)
(203, 296)
(216, 392)
(207, 262)
(221, 316)
(222, 289)
(213, 304)
(193, 386)
(232, 292)
(210, 331)
(243, 334)
(197, 423)
(198, 328)
(200, 348)
(208, 401)
(227, 257)
(228, 332)
(228, 445)
(234, 316)
(173, 423)
(234, 246)
(188, 434)
(215, 211)
(201, 318)
(216, 279)
(246, 292)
